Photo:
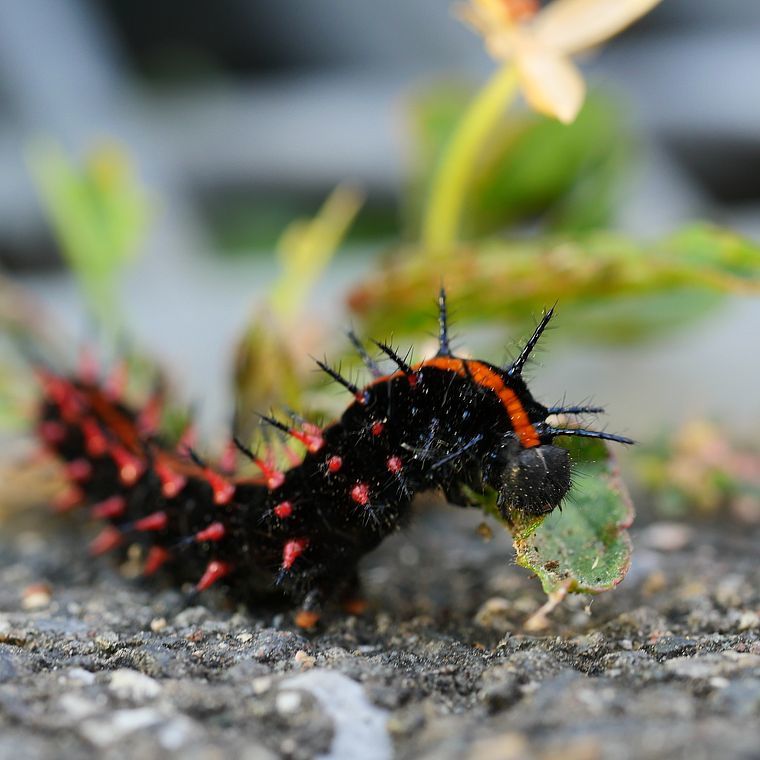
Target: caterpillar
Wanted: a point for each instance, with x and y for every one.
(450, 423)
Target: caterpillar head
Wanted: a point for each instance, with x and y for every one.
(532, 480)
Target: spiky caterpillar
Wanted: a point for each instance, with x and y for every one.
(446, 422)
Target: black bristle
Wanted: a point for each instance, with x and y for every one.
(519, 363)
(391, 354)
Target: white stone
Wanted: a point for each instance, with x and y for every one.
(80, 675)
(360, 727)
(131, 684)
(288, 702)
(178, 732)
(109, 729)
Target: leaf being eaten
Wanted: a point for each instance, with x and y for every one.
(584, 547)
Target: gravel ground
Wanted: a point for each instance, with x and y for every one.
(96, 664)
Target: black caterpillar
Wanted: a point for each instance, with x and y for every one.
(449, 423)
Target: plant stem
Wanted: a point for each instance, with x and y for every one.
(442, 218)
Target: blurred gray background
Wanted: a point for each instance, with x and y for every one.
(258, 99)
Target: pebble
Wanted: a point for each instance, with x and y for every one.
(178, 732)
(668, 646)
(288, 702)
(507, 746)
(80, 675)
(748, 621)
(705, 666)
(261, 685)
(112, 728)
(36, 597)
(77, 707)
(501, 694)
(495, 614)
(360, 728)
(131, 684)
(667, 536)
(304, 660)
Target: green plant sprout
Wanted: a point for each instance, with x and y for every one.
(533, 49)
(99, 212)
(270, 364)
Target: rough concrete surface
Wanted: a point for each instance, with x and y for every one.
(94, 663)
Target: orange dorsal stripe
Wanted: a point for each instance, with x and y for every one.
(485, 377)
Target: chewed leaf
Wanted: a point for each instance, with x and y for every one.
(585, 548)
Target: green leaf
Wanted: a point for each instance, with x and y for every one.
(99, 213)
(585, 547)
(610, 287)
(532, 165)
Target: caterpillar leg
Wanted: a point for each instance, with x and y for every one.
(352, 599)
(310, 612)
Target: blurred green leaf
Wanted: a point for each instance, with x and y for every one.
(583, 548)
(609, 287)
(99, 212)
(271, 367)
(533, 165)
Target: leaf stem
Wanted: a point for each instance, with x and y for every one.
(451, 182)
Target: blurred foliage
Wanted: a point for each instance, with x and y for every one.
(583, 547)
(15, 392)
(699, 470)
(244, 224)
(23, 333)
(532, 166)
(99, 212)
(270, 365)
(610, 288)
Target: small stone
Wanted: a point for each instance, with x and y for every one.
(749, 620)
(158, 624)
(106, 730)
(509, 746)
(192, 616)
(304, 660)
(78, 707)
(669, 646)
(36, 597)
(80, 675)
(667, 536)
(654, 583)
(712, 665)
(406, 722)
(179, 732)
(108, 641)
(131, 684)
(501, 694)
(244, 638)
(288, 702)
(261, 685)
(494, 613)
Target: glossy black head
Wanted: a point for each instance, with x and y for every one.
(532, 480)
